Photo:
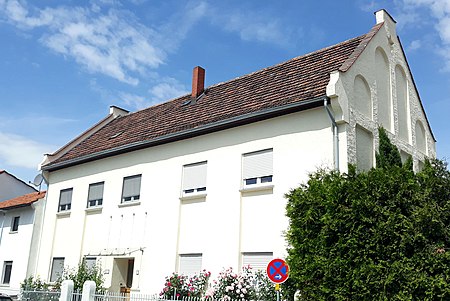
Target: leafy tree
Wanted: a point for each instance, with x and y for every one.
(388, 154)
(377, 235)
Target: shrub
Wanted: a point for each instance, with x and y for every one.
(181, 286)
(80, 275)
(232, 286)
(377, 235)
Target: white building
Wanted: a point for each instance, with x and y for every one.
(10, 186)
(20, 224)
(199, 181)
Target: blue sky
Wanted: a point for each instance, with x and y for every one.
(63, 63)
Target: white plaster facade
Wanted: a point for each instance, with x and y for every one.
(228, 219)
(356, 96)
(19, 246)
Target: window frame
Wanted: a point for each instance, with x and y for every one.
(97, 202)
(67, 207)
(132, 198)
(15, 222)
(261, 255)
(90, 262)
(258, 179)
(53, 276)
(191, 190)
(7, 272)
(189, 255)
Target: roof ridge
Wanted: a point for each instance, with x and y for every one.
(360, 48)
(255, 72)
(288, 61)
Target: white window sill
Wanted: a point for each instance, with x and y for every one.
(65, 213)
(4, 285)
(94, 209)
(257, 187)
(194, 196)
(129, 203)
(13, 232)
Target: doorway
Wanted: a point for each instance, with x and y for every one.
(122, 275)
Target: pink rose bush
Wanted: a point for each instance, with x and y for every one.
(232, 286)
(229, 286)
(181, 286)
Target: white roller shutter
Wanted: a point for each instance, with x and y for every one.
(190, 264)
(258, 164)
(194, 176)
(131, 186)
(95, 191)
(257, 260)
(65, 197)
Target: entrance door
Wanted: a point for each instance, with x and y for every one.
(122, 275)
(130, 273)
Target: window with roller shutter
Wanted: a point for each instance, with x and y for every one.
(131, 188)
(95, 194)
(194, 178)
(257, 167)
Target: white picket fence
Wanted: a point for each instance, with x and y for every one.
(30, 295)
(89, 293)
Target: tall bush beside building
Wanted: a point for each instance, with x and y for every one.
(377, 235)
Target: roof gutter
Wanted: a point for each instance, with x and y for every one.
(201, 130)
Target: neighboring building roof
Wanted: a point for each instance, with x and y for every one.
(2, 171)
(22, 201)
(294, 85)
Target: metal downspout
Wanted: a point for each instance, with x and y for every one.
(335, 133)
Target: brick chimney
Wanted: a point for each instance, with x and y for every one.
(198, 81)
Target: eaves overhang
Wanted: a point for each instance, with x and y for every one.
(194, 132)
(16, 207)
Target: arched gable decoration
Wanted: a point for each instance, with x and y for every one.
(383, 89)
(402, 104)
(421, 141)
(362, 96)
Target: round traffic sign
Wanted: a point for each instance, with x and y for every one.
(278, 270)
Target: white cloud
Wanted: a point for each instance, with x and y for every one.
(20, 151)
(439, 11)
(416, 44)
(181, 22)
(112, 43)
(168, 89)
(254, 26)
(134, 101)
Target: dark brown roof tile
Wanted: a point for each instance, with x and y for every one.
(299, 79)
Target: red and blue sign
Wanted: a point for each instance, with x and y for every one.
(278, 270)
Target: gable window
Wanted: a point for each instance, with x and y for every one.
(65, 200)
(190, 264)
(257, 167)
(6, 275)
(95, 195)
(15, 224)
(194, 178)
(57, 268)
(256, 260)
(131, 188)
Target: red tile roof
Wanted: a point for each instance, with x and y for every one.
(295, 81)
(22, 201)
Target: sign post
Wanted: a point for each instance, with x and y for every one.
(278, 272)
